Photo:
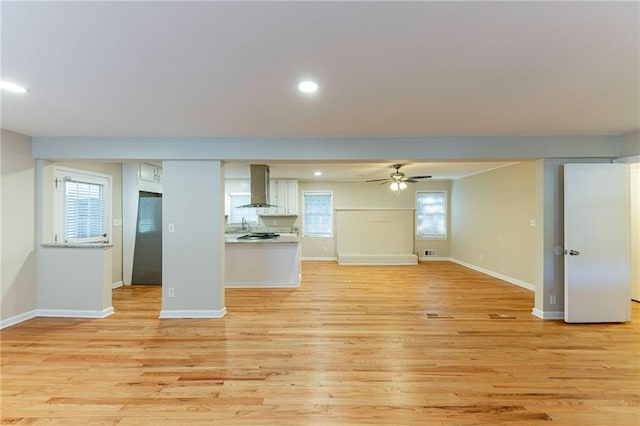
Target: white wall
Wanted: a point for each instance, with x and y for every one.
(632, 158)
(17, 241)
(629, 144)
(491, 217)
(389, 231)
(130, 195)
(635, 231)
(74, 282)
(363, 195)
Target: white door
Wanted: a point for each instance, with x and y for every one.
(596, 237)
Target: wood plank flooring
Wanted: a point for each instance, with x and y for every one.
(433, 344)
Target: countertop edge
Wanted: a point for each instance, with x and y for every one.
(83, 246)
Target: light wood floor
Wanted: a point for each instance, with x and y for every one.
(434, 344)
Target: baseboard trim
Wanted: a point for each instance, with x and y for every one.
(117, 284)
(17, 319)
(548, 315)
(320, 259)
(55, 313)
(506, 278)
(377, 259)
(73, 313)
(211, 313)
(434, 259)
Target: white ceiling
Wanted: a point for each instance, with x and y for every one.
(230, 69)
(386, 69)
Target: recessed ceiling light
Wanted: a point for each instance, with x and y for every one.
(12, 87)
(317, 173)
(308, 86)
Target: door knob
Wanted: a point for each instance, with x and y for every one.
(573, 252)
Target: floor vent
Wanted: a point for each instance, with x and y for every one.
(436, 316)
(500, 316)
(429, 252)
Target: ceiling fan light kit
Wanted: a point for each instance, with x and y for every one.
(398, 186)
(398, 180)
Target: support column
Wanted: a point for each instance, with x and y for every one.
(193, 239)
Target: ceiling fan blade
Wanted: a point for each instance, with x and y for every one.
(420, 177)
(377, 180)
(386, 181)
(410, 180)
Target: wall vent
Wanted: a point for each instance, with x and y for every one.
(429, 252)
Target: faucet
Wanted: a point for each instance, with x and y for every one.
(245, 225)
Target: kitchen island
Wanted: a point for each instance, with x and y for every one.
(262, 263)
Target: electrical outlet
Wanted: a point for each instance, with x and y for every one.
(552, 299)
(172, 292)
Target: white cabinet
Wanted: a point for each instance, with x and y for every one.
(150, 173)
(292, 197)
(150, 178)
(283, 193)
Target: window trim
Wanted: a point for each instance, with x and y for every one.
(446, 215)
(330, 234)
(59, 175)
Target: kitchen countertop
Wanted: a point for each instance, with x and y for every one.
(282, 239)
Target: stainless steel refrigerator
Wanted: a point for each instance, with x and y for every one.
(147, 254)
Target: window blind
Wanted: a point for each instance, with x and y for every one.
(318, 214)
(431, 214)
(84, 212)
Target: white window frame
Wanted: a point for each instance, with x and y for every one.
(251, 212)
(59, 176)
(304, 207)
(445, 215)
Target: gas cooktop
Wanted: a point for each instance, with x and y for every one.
(259, 236)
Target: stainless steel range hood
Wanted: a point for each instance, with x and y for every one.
(259, 186)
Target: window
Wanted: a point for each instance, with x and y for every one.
(431, 214)
(318, 214)
(81, 206)
(237, 213)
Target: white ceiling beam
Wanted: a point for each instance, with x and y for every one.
(329, 149)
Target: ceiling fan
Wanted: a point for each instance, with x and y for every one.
(398, 179)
